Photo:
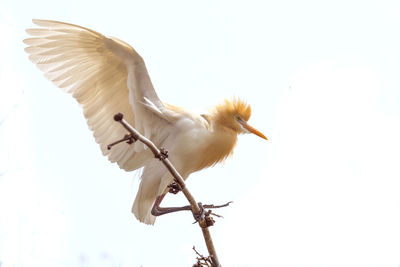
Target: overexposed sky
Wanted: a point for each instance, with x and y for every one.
(323, 82)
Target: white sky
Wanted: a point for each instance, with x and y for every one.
(323, 82)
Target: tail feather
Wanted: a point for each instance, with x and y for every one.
(153, 184)
(142, 210)
(150, 188)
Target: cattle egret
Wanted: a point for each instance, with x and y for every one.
(106, 76)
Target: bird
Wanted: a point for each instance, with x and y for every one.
(107, 76)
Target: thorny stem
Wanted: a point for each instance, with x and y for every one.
(198, 212)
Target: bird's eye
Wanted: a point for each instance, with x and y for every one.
(238, 118)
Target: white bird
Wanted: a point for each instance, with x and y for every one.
(107, 76)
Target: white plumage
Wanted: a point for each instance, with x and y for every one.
(107, 76)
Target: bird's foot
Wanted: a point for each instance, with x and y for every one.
(174, 188)
(206, 215)
(212, 206)
(203, 217)
(201, 214)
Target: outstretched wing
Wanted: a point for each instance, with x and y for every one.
(106, 76)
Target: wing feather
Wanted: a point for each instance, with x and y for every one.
(106, 76)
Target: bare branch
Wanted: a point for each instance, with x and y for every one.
(203, 218)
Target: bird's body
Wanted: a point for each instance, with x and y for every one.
(107, 76)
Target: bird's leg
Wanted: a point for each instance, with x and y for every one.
(158, 211)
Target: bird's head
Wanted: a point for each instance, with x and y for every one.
(234, 114)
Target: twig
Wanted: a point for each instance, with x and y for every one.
(203, 218)
(201, 260)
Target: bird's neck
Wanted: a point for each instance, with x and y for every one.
(219, 144)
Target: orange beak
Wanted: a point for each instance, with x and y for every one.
(252, 130)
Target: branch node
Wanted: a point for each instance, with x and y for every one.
(163, 154)
(209, 221)
(174, 188)
(118, 117)
(131, 139)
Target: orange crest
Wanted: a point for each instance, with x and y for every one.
(231, 108)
